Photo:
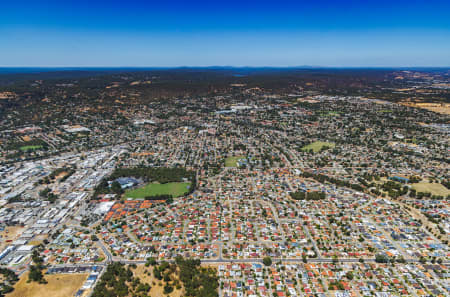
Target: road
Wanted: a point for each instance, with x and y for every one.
(225, 261)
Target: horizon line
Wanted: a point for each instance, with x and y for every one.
(225, 66)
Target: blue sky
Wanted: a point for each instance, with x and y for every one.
(228, 33)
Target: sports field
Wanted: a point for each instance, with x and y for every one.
(30, 147)
(232, 161)
(317, 146)
(433, 188)
(154, 189)
(59, 285)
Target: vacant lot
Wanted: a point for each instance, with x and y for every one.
(9, 234)
(433, 188)
(156, 290)
(317, 146)
(59, 285)
(38, 240)
(232, 161)
(153, 189)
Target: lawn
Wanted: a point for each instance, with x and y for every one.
(59, 285)
(433, 188)
(317, 146)
(154, 189)
(30, 147)
(232, 161)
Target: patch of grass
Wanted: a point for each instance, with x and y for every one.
(156, 189)
(26, 148)
(433, 188)
(33, 144)
(59, 285)
(330, 113)
(317, 146)
(232, 161)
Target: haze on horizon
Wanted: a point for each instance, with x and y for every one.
(235, 33)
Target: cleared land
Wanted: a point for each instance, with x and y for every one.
(59, 285)
(38, 240)
(443, 108)
(317, 146)
(30, 147)
(154, 189)
(433, 188)
(232, 161)
(9, 234)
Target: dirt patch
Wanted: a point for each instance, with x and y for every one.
(38, 240)
(443, 108)
(59, 285)
(9, 234)
(61, 175)
(157, 289)
(433, 188)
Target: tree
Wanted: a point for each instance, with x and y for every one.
(44, 192)
(116, 188)
(35, 274)
(379, 258)
(168, 289)
(335, 260)
(304, 259)
(150, 261)
(267, 261)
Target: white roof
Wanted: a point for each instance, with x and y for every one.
(25, 248)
